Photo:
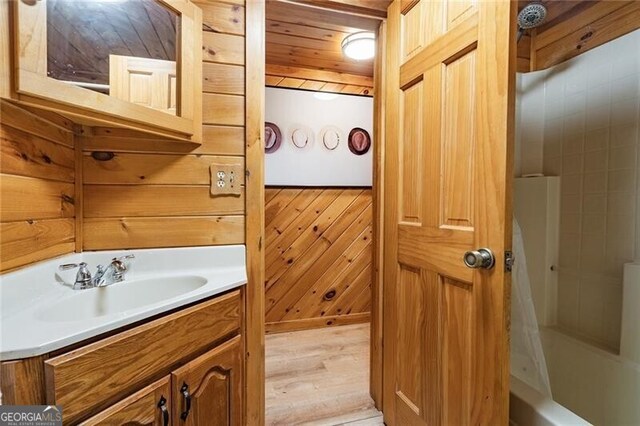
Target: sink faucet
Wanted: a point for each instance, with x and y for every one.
(113, 273)
(83, 277)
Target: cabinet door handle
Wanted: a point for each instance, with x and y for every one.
(187, 401)
(162, 405)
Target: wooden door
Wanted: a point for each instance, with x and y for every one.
(208, 390)
(144, 81)
(450, 73)
(150, 406)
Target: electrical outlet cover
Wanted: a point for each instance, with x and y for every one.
(226, 178)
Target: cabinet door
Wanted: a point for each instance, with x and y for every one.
(66, 68)
(208, 390)
(149, 406)
(144, 81)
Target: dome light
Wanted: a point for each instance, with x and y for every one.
(359, 46)
(325, 96)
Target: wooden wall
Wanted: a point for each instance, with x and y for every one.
(152, 193)
(155, 193)
(318, 80)
(575, 27)
(318, 252)
(318, 257)
(37, 187)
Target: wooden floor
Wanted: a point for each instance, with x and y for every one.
(320, 377)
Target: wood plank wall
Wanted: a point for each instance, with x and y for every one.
(308, 229)
(318, 80)
(573, 28)
(154, 194)
(318, 257)
(37, 166)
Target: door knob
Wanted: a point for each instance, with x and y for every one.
(481, 258)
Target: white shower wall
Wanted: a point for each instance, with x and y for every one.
(580, 120)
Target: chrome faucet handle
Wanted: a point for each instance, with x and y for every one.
(119, 266)
(83, 277)
(67, 266)
(125, 257)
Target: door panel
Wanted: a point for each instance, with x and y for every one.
(212, 383)
(417, 353)
(144, 81)
(412, 29)
(458, 142)
(449, 129)
(456, 349)
(217, 409)
(411, 146)
(458, 10)
(420, 26)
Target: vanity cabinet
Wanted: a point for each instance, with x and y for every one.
(204, 392)
(182, 368)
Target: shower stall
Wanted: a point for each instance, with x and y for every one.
(577, 203)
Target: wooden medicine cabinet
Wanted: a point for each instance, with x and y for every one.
(121, 63)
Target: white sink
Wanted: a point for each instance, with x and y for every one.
(120, 297)
(41, 313)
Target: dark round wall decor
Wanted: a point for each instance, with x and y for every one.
(359, 141)
(272, 137)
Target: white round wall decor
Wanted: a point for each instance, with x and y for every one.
(300, 136)
(315, 139)
(331, 136)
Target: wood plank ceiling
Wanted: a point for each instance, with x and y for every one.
(309, 33)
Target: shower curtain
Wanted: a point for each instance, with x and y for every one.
(527, 357)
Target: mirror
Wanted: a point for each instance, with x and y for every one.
(126, 49)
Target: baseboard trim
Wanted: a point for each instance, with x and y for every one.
(320, 322)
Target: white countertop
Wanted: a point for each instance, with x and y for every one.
(30, 325)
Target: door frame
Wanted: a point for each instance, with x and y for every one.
(254, 325)
(379, 129)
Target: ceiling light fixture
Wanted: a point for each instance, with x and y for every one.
(359, 46)
(325, 96)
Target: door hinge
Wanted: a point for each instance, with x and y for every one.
(509, 260)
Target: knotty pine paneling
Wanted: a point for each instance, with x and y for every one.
(155, 192)
(318, 257)
(153, 232)
(37, 176)
(574, 27)
(318, 80)
(221, 17)
(311, 37)
(222, 48)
